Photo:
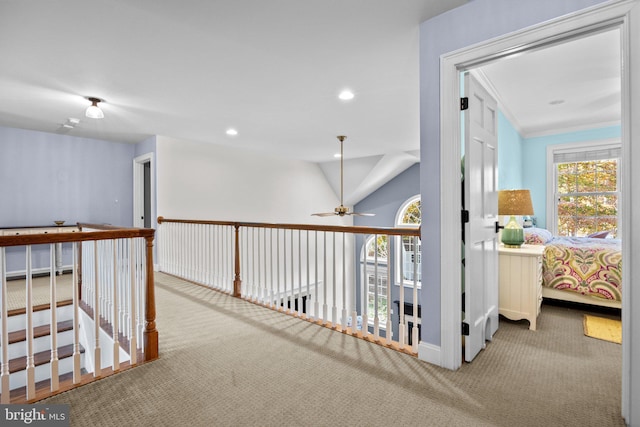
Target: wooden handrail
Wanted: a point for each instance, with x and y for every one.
(107, 232)
(392, 231)
(81, 236)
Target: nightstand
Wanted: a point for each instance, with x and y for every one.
(521, 282)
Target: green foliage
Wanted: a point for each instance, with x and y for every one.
(587, 197)
(413, 213)
(382, 248)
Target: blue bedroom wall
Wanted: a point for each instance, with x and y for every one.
(510, 158)
(472, 23)
(534, 170)
(46, 177)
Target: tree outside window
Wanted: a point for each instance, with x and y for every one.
(587, 197)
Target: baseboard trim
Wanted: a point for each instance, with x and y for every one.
(430, 353)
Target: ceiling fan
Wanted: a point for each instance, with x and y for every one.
(342, 210)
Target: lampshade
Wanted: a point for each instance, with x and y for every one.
(93, 111)
(514, 202)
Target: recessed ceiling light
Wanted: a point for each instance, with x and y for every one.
(346, 95)
(232, 132)
(337, 155)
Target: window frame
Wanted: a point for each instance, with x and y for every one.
(552, 196)
(383, 273)
(398, 243)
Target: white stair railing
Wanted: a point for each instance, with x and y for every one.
(307, 271)
(115, 285)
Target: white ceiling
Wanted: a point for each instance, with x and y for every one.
(272, 70)
(574, 85)
(192, 69)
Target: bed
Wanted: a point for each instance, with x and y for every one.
(587, 270)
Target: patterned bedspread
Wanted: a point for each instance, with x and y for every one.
(587, 266)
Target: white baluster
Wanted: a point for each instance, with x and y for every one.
(76, 319)
(4, 375)
(414, 332)
(264, 294)
(389, 331)
(308, 293)
(141, 286)
(344, 320)
(96, 316)
(286, 307)
(292, 297)
(324, 277)
(217, 265)
(133, 344)
(202, 253)
(334, 306)
(316, 304)
(272, 300)
(31, 383)
(55, 383)
(115, 325)
(365, 293)
(354, 311)
(376, 318)
(300, 311)
(254, 264)
(401, 326)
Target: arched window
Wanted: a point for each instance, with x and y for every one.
(375, 273)
(409, 215)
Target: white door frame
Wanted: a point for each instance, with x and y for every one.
(138, 189)
(608, 15)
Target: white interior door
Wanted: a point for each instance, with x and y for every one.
(481, 201)
(143, 209)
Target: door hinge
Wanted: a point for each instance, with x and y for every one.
(464, 216)
(464, 103)
(465, 329)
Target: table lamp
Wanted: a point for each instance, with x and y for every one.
(514, 202)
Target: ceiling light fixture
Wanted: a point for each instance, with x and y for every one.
(346, 95)
(342, 210)
(93, 111)
(232, 132)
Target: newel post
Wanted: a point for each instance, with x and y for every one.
(237, 282)
(150, 331)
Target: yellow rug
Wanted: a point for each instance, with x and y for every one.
(603, 329)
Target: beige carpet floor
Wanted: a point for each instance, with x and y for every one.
(16, 291)
(226, 362)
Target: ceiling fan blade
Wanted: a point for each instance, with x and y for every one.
(324, 214)
(361, 214)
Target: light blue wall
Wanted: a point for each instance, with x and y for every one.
(534, 169)
(46, 177)
(475, 22)
(509, 155)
